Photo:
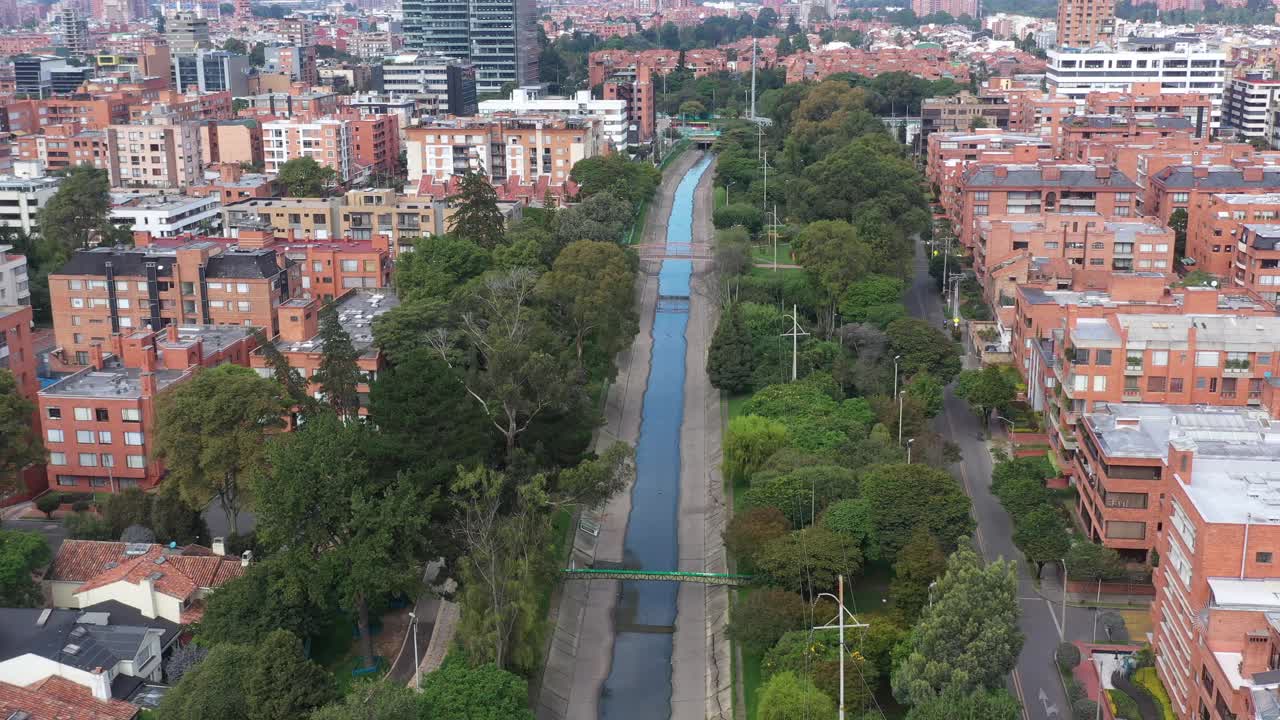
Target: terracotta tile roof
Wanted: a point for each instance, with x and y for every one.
(180, 574)
(56, 698)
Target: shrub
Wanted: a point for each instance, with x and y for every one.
(48, 502)
(81, 506)
(1147, 679)
(87, 526)
(1068, 656)
(1074, 691)
(765, 616)
(1084, 709)
(1123, 706)
(1113, 624)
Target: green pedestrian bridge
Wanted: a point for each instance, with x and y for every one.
(659, 575)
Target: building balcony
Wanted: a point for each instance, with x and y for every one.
(1133, 370)
(1132, 395)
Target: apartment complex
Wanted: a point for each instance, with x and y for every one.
(105, 291)
(1085, 23)
(530, 100)
(962, 112)
(99, 422)
(154, 152)
(1247, 105)
(529, 147)
(496, 36)
(21, 200)
(440, 83)
(385, 216)
(328, 141)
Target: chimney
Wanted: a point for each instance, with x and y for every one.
(219, 546)
(1200, 171)
(246, 558)
(95, 356)
(171, 332)
(1199, 301)
(298, 323)
(1002, 171)
(1051, 172)
(1102, 172)
(141, 238)
(1254, 657)
(1253, 173)
(230, 172)
(149, 389)
(148, 604)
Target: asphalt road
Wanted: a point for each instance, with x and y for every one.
(1034, 680)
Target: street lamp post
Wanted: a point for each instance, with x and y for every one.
(901, 395)
(1062, 629)
(413, 628)
(896, 358)
(1013, 442)
(910, 442)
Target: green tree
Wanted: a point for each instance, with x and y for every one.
(634, 182)
(590, 288)
(692, 108)
(903, 497)
(748, 443)
(927, 391)
(592, 482)
(506, 355)
(766, 615)
(739, 215)
(130, 506)
(802, 491)
(269, 596)
(603, 217)
(750, 530)
(20, 446)
(437, 266)
(338, 374)
(817, 656)
(348, 532)
(808, 560)
(851, 518)
(77, 216)
(211, 434)
(788, 696)
(173, 520)
(476, 217)
(986, 390)
(832, 255)
(866, 296)
(1042, 536)
(374, 700)
(21, 554)
(295, 386)
(304, 177)
(731, 360)
(486, 692)
(1178, 223)
(212, 690)
(1092, 561)
(995, 704)
(282, 683)
(923, 347)
(969, 638)
(507, 559)
(811, 410)
(919, 564)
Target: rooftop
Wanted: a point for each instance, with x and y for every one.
(356, 312)
(152, 201)
(112, 381)
(57, 698)
(1245, 594)
(1217, 176)
(1070, 176)
(1249, 198)
(132, 262)
(84, 639)
(1213, 332)
(1144, 430)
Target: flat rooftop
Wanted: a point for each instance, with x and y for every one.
(214, 338)
(1144, 430)
(356, 313)
(112, 381)
(143, 201)
(1213, 332)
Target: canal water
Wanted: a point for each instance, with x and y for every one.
(639, 682)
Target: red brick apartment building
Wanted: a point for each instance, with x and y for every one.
(1135, 340)
(1188, 187)
(996, 190)
(1083, 137)
(98, 422)
(17, 355)
(1152, 98)
(1203, 484)
(61, 147)
(104, 291)
(298, 340)
(950, 155)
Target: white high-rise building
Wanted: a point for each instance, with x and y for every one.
(1179, 65)
(612, 113)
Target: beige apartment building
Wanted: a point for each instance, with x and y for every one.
(529, 147)
(231, 141)
(328, 141)
(357, 215)
(156, 153)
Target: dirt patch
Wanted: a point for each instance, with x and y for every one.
(395, 624)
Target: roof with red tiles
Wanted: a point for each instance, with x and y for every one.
(56, 698)
(177, 574)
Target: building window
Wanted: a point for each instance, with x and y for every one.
(1099, 383)
(54, 413)
(108, 460)
(84, 414)
(54, 435)
(57, 458)
(1102, 357)
(136, 462)
(89, 459)
(133, 438)
(104, 437)
(84, 437)
(1262, 558)
(1126, 530)
(1175, 385)
(102, 414)
(131, 415)
(1207, 358)
(1156, 384)
(67, 481)
(1130, 501)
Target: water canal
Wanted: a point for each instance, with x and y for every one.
(639, 682)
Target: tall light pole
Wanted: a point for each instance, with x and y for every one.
(896, 358)
(1013, 443)
(1062, 629)
(910, 442)
(901, 395)
(413, 628)
(838, 623)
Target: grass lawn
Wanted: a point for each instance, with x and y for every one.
(764, 253)
(719, 197)
(736, 402)
(1136, 622)
(749, 672)
(764, 271)
(1146, 678)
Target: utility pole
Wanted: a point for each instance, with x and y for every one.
(910, 442)
(839, 623)
(773, 230)
(901, 395)
(765, 167)
(413, 627)
(753, 80)
(796, 332)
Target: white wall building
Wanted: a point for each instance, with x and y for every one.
(612, 113)
(1247, 104)
(22, 198)
(440, 84)
(1179, 65)
(327, 141)
(167, 215)
(14, 287)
